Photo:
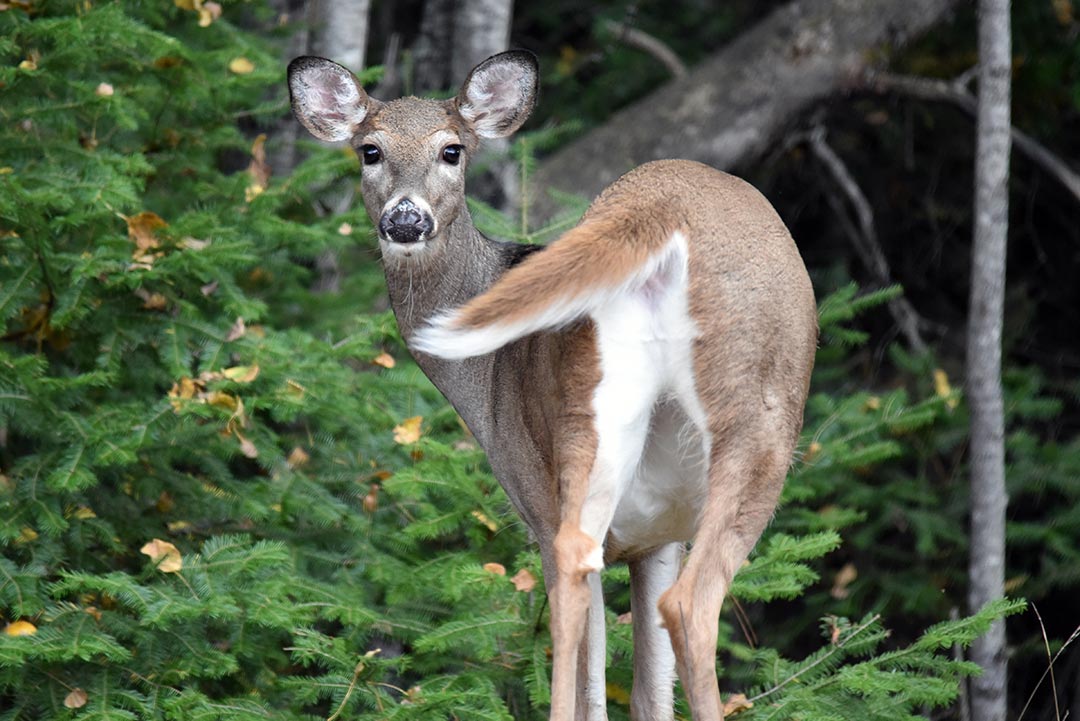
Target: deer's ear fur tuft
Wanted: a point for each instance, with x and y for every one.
(499, 93)
(326, 98)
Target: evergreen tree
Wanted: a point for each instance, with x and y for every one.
(225, 496)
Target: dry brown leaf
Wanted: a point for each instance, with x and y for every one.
(237, 331)
(344, 229)
(736, 703)
(142, 231)
(625, 619)
(842, 580)
(193, 243)
(164, 554)
(811, 452)
(20, 628)
(1063, 9)
(371, 500)
(524, 581)
(104, 90)
(385, 360)
(77, 698)
(409, 431)
(297, 457)
(247, 447)
(496, 568)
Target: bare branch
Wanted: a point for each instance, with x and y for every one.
(650, 44)
(956, 93)
(865, 237)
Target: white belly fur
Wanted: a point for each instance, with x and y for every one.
(648, 484)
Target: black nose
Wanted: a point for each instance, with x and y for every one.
(405, 223)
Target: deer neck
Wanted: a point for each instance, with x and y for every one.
(463, 265)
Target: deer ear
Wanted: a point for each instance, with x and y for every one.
(499, 93)
(326, 98)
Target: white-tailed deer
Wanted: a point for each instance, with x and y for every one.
(637, 384)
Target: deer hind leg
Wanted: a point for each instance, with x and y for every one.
(652, 696)
(744, 485)
(622, 406)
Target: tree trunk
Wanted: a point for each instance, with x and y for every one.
(988, 496)
(730, 107)
(455, 35)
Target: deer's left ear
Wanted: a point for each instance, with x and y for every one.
(499, 93)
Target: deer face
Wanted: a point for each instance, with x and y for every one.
(414, 151)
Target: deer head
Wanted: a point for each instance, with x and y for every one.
(414, 151)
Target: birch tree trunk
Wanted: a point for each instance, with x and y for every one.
(455, 35)
(988, 496)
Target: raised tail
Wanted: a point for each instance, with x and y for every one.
(613, 251)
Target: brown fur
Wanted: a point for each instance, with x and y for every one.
(529, 403)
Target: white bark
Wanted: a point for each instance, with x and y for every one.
(985, 314)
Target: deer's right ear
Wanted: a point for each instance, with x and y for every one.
(326, 98)
(499, 93)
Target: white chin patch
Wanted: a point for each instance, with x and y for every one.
(390, 249)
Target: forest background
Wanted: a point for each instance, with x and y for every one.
(226, 492)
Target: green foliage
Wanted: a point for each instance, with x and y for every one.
(167, 373)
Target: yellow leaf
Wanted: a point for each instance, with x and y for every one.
(7, 170)
(241, 66)
(487, 522)
(298, 457)
(155, 301)
(812, 451)
(258, 168)
(208, 13)
(409, 431)
(188, 4)
(524, 581)
(496, 568)
(28, 64)
(26, 535)
(220, 399)
(253, 191)
(385, 360)
(943, 389)
(241, 374)
(617, 693)
(164, 554)
(736, 703)
(872, 403)
(84, 512)
(20, 628)
(76, 699)
(178, 526)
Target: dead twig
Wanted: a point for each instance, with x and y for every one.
(650, 44)
(956, 93)
(864, 237)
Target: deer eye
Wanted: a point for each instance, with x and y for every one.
(370, 154)
(452, 154)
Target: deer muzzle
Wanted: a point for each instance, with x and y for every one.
(406, 222)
